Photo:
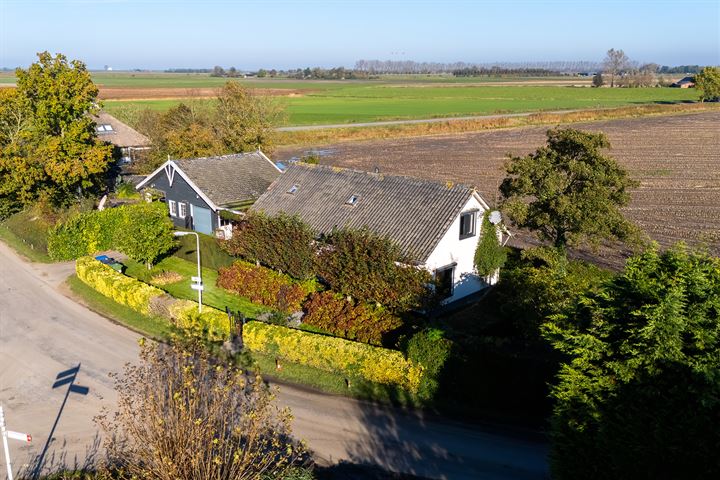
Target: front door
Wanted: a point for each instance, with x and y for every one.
(202, 220)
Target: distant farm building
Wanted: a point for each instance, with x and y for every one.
(128, 141)
(687, 82)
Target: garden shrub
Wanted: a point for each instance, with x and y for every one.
(430, 349)
(122, 289)
(333, 354)
(489, 254)
(280, 242)
(340, 316)
(371, 268)
(264, 286)
(211, 324)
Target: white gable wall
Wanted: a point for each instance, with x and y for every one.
(451, 249)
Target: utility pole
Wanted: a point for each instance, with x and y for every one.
(23, 437)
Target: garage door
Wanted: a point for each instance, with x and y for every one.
(202, 220)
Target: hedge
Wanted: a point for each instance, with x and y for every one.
(332, 354)
(264, 286)
(345, 318)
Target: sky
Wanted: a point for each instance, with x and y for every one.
(251, 34)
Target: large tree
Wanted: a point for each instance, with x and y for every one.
(48, 140)
(615, 62)
(707, 83)
(639, 396)
(569, 191)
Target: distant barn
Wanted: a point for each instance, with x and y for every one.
(687, 82)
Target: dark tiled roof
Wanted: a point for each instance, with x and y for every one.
(230, 179)
(414, 213)
(121, 135)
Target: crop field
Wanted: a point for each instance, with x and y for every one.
(675, 158)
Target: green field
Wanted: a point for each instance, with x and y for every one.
(367, 103)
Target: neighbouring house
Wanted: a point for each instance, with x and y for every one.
(437, 225)
(128, 141)
(196, 190)
(687, 82)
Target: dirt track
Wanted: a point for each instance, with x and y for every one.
(676, 159)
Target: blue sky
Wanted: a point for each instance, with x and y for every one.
(157, 34)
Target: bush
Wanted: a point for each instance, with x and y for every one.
(332, 354)
(489, 254)
(124, 290)
(264, 286)
(430, 349)
(342, 317)
(281, 242)
(370, 268)
(142, 231)
(211, 324)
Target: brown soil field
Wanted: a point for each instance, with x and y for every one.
(116, 93)
(675, 158)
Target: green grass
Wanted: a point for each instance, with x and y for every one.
(213, 295)
(366, 102)
(27, 235)
(152, 327)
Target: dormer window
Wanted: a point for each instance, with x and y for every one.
(293, 189)
(352, 200)
(468, 223)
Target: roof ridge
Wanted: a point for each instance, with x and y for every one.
(218, 157)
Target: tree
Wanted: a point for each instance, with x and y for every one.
(615, 62)
(217, 71)
(569, 191)
(244, 121)
(707, 83)
(183, 415)
(597, 80)
(145, 233)
(49, 145)
(489, 254)
(639, 396)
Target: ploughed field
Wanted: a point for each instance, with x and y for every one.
(675, 158)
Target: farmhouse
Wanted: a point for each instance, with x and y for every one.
(111, 130)
(196, 190)
(687, 82)
(437, 225)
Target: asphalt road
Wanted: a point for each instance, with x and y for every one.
(43, 333)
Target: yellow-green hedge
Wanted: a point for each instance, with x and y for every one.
(380, 365)
(115, 285)
(213, 323)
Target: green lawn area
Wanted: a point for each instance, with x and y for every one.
(367, 102)
(213, 295)
(27, 235)
(152, 327)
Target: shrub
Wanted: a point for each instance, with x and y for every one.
(337, 315)
(281, 242)
(430, 349)
(489, 254)
(264, 286)
(333, 354)
(145, 232)
(370, 268)
(124, 290)
(211, 324)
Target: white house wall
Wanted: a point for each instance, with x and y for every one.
(451, 249)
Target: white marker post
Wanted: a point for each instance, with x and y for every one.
(23, 437)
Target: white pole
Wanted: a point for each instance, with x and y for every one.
(5, 444)
(197, 237)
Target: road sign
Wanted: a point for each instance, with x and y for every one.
(23, 437)
(197, 286)
(196, 279)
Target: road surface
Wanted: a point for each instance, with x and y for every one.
(43, 333)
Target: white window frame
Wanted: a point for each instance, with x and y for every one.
(172, 205)
(182, 209)
(473, 214)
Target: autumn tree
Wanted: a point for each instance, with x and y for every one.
(639, 393)
(49, 147)
(707, 83)
(182, 415)
(615, 62)
(569, 191)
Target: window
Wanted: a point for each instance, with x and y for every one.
(444, 281)
(183, 209)
(468, 220)
(172, 204)
(293, 189)
(103, 128)
(352, 200)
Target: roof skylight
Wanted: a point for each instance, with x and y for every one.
(293, 189)
(352, 200)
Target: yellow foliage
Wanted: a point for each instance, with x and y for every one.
(211, 323)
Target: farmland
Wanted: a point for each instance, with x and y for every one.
(676, 159)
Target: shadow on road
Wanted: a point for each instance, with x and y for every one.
(57, 460)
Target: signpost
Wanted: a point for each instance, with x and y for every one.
(197, 285)
(23, 437)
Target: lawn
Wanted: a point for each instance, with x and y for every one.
(367, 102)
(213, 295)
